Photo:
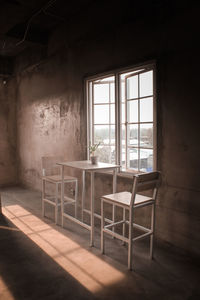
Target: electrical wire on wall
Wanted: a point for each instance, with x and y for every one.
(43, 9)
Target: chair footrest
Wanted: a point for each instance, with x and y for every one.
(124, 239)
(142, 236)
(140, 227)
(50, 201)
(114, 224)
(116, 235)
(68, 199)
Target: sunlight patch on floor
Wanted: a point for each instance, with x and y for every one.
(4, 291)
(92, 272)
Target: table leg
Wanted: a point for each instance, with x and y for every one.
(62, 194)
(114, 181)
(114, 191)
(83, 194)
(92, 211)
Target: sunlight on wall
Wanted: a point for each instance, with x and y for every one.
(92, 272)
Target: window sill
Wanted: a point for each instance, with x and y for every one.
(123, 174)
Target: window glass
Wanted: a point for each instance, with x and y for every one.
(123, 157)
(146, 135)
(146, 160)
(123, 113)
(101, 134)
(112, 92)
(132, 87)
(146, 110)
(132, 135)
(106, 154)
(101, 93)
(132, 111)
(132, 158)
(146, 84)
(112, 113)
(133, 116)
(101, 114)
(122, 89)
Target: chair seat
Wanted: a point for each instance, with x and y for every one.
(58, 179)
(124, 199)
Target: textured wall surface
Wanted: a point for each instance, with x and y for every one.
(48, 118)
(51, 115)
(8, 161)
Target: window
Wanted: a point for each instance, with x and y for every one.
(121, 116)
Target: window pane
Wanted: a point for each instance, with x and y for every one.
(132, 87)
(101, 114)
(123, 154)
(146, 110)
(112, 92)
(123, 112)
(112, 134)
(132, 158)
(104, 134)
(146, 160)
(132, 111)
(112, 113)
(101, 93)
(146, 135)
(123, 132)
(132, 135)
(146, 84)
(106, 154)
(101, 134)
(122, 91)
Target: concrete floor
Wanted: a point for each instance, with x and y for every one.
(39, 260)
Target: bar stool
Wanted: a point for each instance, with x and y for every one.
(50, 172)
(129, 202)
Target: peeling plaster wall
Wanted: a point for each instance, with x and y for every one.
(52, 116)
(48, 118)
(8, 162)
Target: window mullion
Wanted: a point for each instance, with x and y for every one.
(139, 164)
(109, 122)
(118, 145)
(92, 121)
(126, 124)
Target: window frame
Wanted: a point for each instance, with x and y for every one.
(151, 65)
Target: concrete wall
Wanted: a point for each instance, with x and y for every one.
(48, 115)
(8, 162)
(51, 109)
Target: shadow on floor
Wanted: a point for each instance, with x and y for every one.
(39, 260)
(29, 273)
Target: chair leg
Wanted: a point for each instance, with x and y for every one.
(102, 226)
(43, 196)
(130, 240)
(62, 204)
(124, 224)
(113, 217)
(152, 228)
(76, 198)
(56, 206)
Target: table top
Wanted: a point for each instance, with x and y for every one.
(87, 165)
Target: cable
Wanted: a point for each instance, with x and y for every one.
(33, 16)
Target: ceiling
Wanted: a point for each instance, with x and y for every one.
(29, 23)
(25, 22)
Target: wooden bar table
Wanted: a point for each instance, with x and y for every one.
(87, 166)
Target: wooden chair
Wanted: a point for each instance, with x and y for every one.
(129, 202)
(51, 174)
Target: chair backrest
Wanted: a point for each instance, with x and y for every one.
(49, 165)
(146, 181)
